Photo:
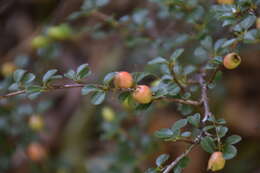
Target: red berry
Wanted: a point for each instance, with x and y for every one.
(232, 61)
(123, 80)
(142, 94)
(36, 152)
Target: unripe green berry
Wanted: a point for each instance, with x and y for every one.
(123, 79)
(216, 161)
(232, 61)
(8, 68)
(60, 32)
(108, 114)
(36, 122)
(39, 42)
(142, 94)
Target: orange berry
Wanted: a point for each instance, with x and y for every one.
(216, 161)
(142, 94)
(226, 1)
(232, 61)
(123, 80)
(36, 152)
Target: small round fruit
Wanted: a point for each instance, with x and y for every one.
(123, 79)
(7, 69)
(39, 42)
(36, 152)
(60, 32)
(216, 161)
(36, 122)
(232, 61)
(226, 2)
(258, 23)
(108, 114)
(142, 94)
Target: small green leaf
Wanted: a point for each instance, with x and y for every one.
(207, 143)
(248, 22)
(194, 120)
(229, 42)
(48, 75)
(158, 60)
(233, 139)
(173, 89)
(186, 134)
(206, 128)
(71, 74)
(142, 107)
(222, 131)
(151, 170)
(177, 169)
(34, 95)
(98, 97)
(229, 152)
(164, 133)
(33, 89)
(183, 163)
(138, 76)
(14, 87)
(18, 75)
(124, 95)
(109, 77)
(162, 159)
(179, 124)
(82, 71)
(207, 43)
(176, 54)
(28, 78)
(89, 88)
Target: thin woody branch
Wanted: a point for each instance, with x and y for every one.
(182, 101)
(204, 98)
(50, 88)
(178, 159)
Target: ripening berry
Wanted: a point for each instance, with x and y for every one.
(36, 152)
(39, 42)
(142, 94)
(226, 2)
(108, 114)
(216, 161)
(7, 69)
(123, 79)
(36, 122)
(60, 32)
(258, 23)
(232, 61)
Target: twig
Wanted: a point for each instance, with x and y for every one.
(204, 98)
(187, 102)
(213, 75)
(50, 88)
(176, 161)
(12, 94)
